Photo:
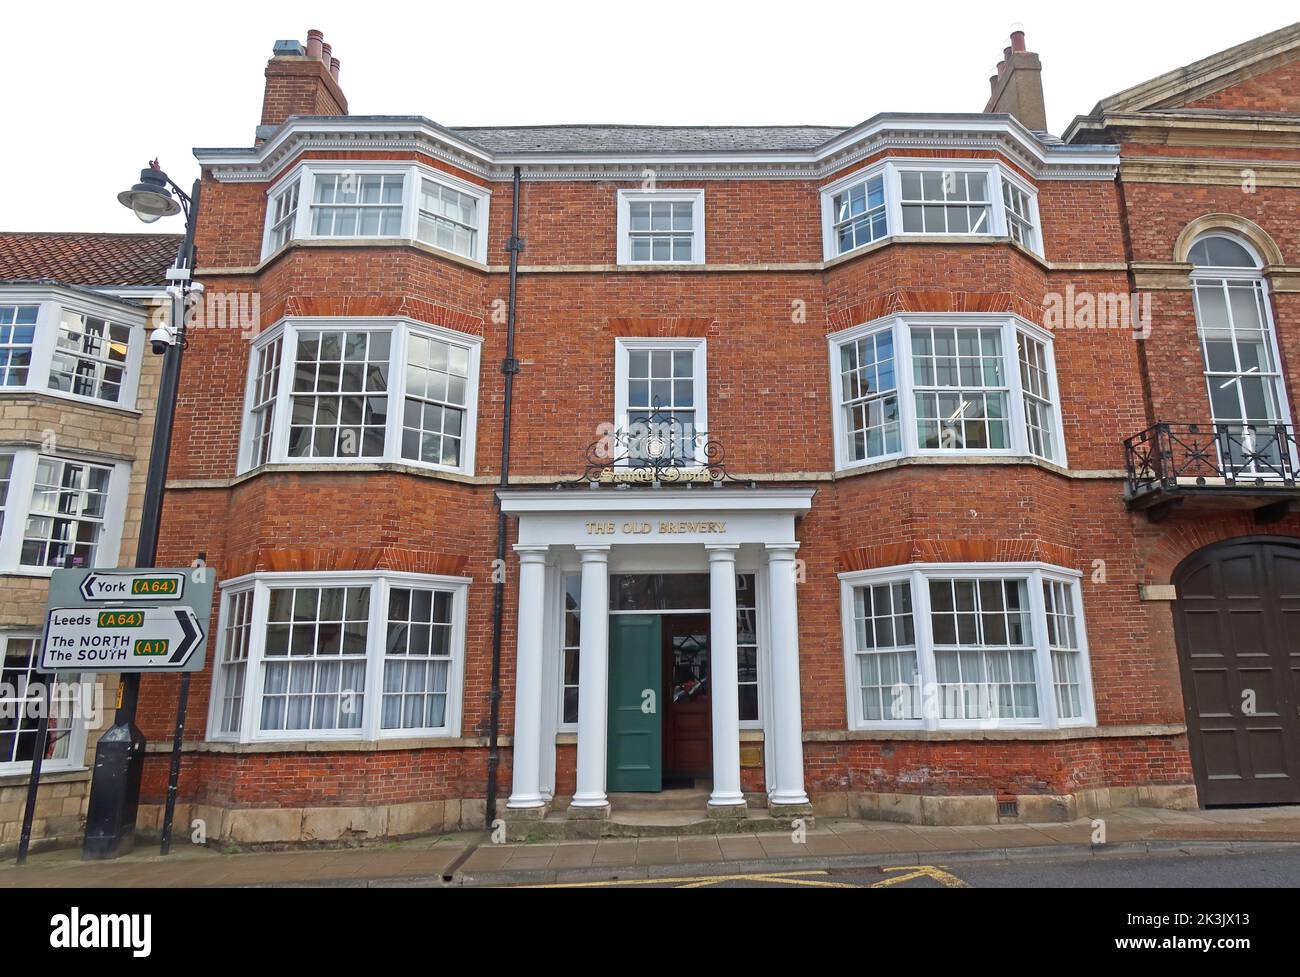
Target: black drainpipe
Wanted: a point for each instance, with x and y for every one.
(509, 367)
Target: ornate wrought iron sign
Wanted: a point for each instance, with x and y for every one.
(656, 448)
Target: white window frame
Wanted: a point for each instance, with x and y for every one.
(891, 169)
(18, 508)
(623, 346)
(1205, 275)
(901, 324)
(287, 330)
(51, 307)
(371, 729)
(624, 223)
(76, 758)
(919, 575)
(305, 175)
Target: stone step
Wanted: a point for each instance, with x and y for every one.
(693, 800)
(642, 824)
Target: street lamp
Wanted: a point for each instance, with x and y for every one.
(119, 755)
(150, 198)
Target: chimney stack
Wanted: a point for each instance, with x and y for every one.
(301, 80)
(1017, 88)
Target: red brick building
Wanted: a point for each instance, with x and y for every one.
(817, 488)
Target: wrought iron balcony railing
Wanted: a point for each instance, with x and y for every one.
(1174, 458)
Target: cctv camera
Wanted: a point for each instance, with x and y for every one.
(160, 340)
(197, 288)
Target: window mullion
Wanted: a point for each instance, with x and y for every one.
(1083, 653)
(904, 375)
(893, 200)
(251, 707)
(931, 704)
(1059, 455)
(997, 203)
(306, 194)
(1015, 388)
(18, 506)
(1042, 652)
(43, 343)
(397, 356)
(284, 395)
(410, 203)
(372, 711)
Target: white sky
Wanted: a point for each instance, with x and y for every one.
(90, 91)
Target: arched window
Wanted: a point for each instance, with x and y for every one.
(1235, 325)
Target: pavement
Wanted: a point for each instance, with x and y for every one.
(833, 845)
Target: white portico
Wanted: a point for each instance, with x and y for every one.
(710, 544)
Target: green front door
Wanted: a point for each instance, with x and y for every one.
(635, 679)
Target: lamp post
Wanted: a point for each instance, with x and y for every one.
(119, 755)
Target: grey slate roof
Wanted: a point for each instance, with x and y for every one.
(646, 139)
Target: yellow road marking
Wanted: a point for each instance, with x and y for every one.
(698, 881)
(909, 873)
(946, 879)
(774, 880)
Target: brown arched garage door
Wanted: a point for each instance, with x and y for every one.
(1237, 621)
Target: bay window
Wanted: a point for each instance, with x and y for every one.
(53, 507)
(70, 345)
(988, 646)
(338, 390)
(339, 656)
(937, 384)
(403, 201)
(905, 197)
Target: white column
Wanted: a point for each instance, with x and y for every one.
(787, 725)
(593, 679)
(526, 793)
(724, 677)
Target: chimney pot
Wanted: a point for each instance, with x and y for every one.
(334, 68)
(325, 54)
(1006, 54)
(1002, 67)
(314, 42)
(1018, 40)
(993, 84)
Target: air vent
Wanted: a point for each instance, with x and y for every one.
(1008, 809)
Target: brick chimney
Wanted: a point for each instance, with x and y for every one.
(301, 80)
(1017, 88)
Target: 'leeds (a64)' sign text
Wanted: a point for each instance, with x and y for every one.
(122, 639)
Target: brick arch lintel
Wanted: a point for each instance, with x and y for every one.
(375, 306)
(956, 551)
(931, 300)
(277, 559)
(1185, 538)
(674, 327)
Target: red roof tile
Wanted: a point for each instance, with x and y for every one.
(87, 259)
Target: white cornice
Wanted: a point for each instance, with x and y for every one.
(992, 133)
